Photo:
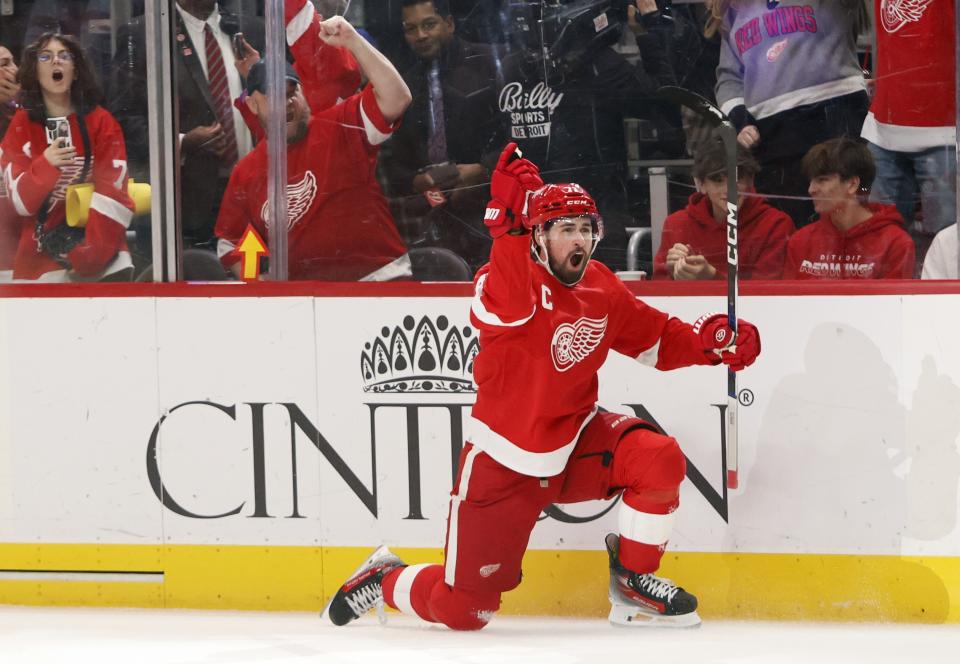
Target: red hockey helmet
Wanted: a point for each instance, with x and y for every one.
(562, 200)
(555, 202)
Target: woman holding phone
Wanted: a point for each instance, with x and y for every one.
(60, 137)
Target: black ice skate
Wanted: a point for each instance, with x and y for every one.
(645, 600)
(362, 591)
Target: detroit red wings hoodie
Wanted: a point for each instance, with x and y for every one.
(878, 248)
(763, 234)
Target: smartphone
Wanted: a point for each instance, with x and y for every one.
(238, 49)
(59, 128)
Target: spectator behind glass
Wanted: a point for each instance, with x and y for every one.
(208, 78)
(9, 228)
(852, 239)
(695, 56)
(566, 109)
(789, 78)
(9, 88)
(450, 136)
(57, 83)
(340, 228)
(912, 121)
(941, 259)
(694, 244)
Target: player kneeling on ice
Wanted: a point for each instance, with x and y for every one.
(548, 316)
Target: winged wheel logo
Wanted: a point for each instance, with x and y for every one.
(573, 342)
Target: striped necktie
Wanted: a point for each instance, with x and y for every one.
(220, 91)
(437, 139)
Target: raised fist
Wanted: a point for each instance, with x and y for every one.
(513, 177)
(718, 340)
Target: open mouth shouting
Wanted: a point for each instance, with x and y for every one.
(57, 75)
(577, 258)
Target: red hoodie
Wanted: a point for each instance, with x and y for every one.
(878, 248)
(763, 234)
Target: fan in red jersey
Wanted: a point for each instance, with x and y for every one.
(59, 137)
(548, 316)
(339, 225)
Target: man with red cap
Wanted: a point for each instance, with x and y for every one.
(548, 316)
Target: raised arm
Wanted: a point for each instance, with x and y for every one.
(504, 294)
(328, 73)
(391, 92)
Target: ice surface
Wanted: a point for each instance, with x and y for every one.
(31, 635)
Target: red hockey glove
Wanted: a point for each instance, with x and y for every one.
(513, 177)
(717, 339)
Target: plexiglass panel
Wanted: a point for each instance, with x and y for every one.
(396, 113)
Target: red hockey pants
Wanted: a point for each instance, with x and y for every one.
(493, 511)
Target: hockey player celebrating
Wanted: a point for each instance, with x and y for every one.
(536, 435)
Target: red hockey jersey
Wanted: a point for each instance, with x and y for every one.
(914, 105)
(541, 345)
(878, 248)
(763, 231)
(339, 224)
(30, 178)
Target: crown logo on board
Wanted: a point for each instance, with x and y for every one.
(420, 356)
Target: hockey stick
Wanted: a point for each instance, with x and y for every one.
(728, 133)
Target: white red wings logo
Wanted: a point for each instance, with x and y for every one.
(300, 197)
(573, 342)
(894, 14)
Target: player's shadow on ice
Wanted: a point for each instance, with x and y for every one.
(843, 468)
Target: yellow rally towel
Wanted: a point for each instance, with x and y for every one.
(79, 195)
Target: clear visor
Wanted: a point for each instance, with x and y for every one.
(587, 225)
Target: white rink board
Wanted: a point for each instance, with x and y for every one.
(849, 445)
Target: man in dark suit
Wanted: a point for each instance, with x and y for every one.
(451, 135)
(213, 135)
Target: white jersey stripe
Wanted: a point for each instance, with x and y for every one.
(643, 527)
(374, 135)
(300, 23)
(224, 247)
(395, 269)
(480, 310)
(401, 590)
(650, 356)
(900, 138)
(507, 453)
(453, 531)
(111, 209)
(13, 191)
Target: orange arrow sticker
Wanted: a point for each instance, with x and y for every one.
(251, 248)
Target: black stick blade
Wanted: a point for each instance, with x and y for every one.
(700, 105)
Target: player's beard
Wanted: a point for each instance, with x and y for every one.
(296, 131)
(571, 269)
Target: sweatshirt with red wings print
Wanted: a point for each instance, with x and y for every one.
(541, 346)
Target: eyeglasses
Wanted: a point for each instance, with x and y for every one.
(48, 56)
